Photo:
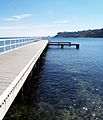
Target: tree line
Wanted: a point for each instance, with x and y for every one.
(96, 33)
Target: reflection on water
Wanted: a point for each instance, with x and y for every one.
(69, 85)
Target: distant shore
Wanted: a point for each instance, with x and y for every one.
(75, 37)
(97, 33)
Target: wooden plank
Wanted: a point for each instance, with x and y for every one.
(13, 62)
(15, 66)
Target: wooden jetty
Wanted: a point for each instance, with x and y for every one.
(62, 44)
(15, 66)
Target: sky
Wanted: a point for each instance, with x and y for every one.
(48, 17)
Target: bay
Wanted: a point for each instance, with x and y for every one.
(69, 85)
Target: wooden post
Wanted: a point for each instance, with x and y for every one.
(77, 46)
(61, 46)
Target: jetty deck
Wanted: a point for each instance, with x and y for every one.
(15, 67)
(62, 44)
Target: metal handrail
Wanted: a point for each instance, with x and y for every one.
(13, 43)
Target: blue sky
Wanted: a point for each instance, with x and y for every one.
(47, 17)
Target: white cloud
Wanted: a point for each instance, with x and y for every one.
(61, 22)
(41, 29)
(18, 17)
(14, 27)
(31, 30)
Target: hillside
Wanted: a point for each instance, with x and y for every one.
(97, 33)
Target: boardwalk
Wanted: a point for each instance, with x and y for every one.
(14, 69)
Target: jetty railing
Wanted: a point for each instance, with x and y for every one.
(12, 77)
(7, 44)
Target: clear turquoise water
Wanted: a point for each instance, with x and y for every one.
(69, 85)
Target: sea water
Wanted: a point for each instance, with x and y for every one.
(69, 85)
